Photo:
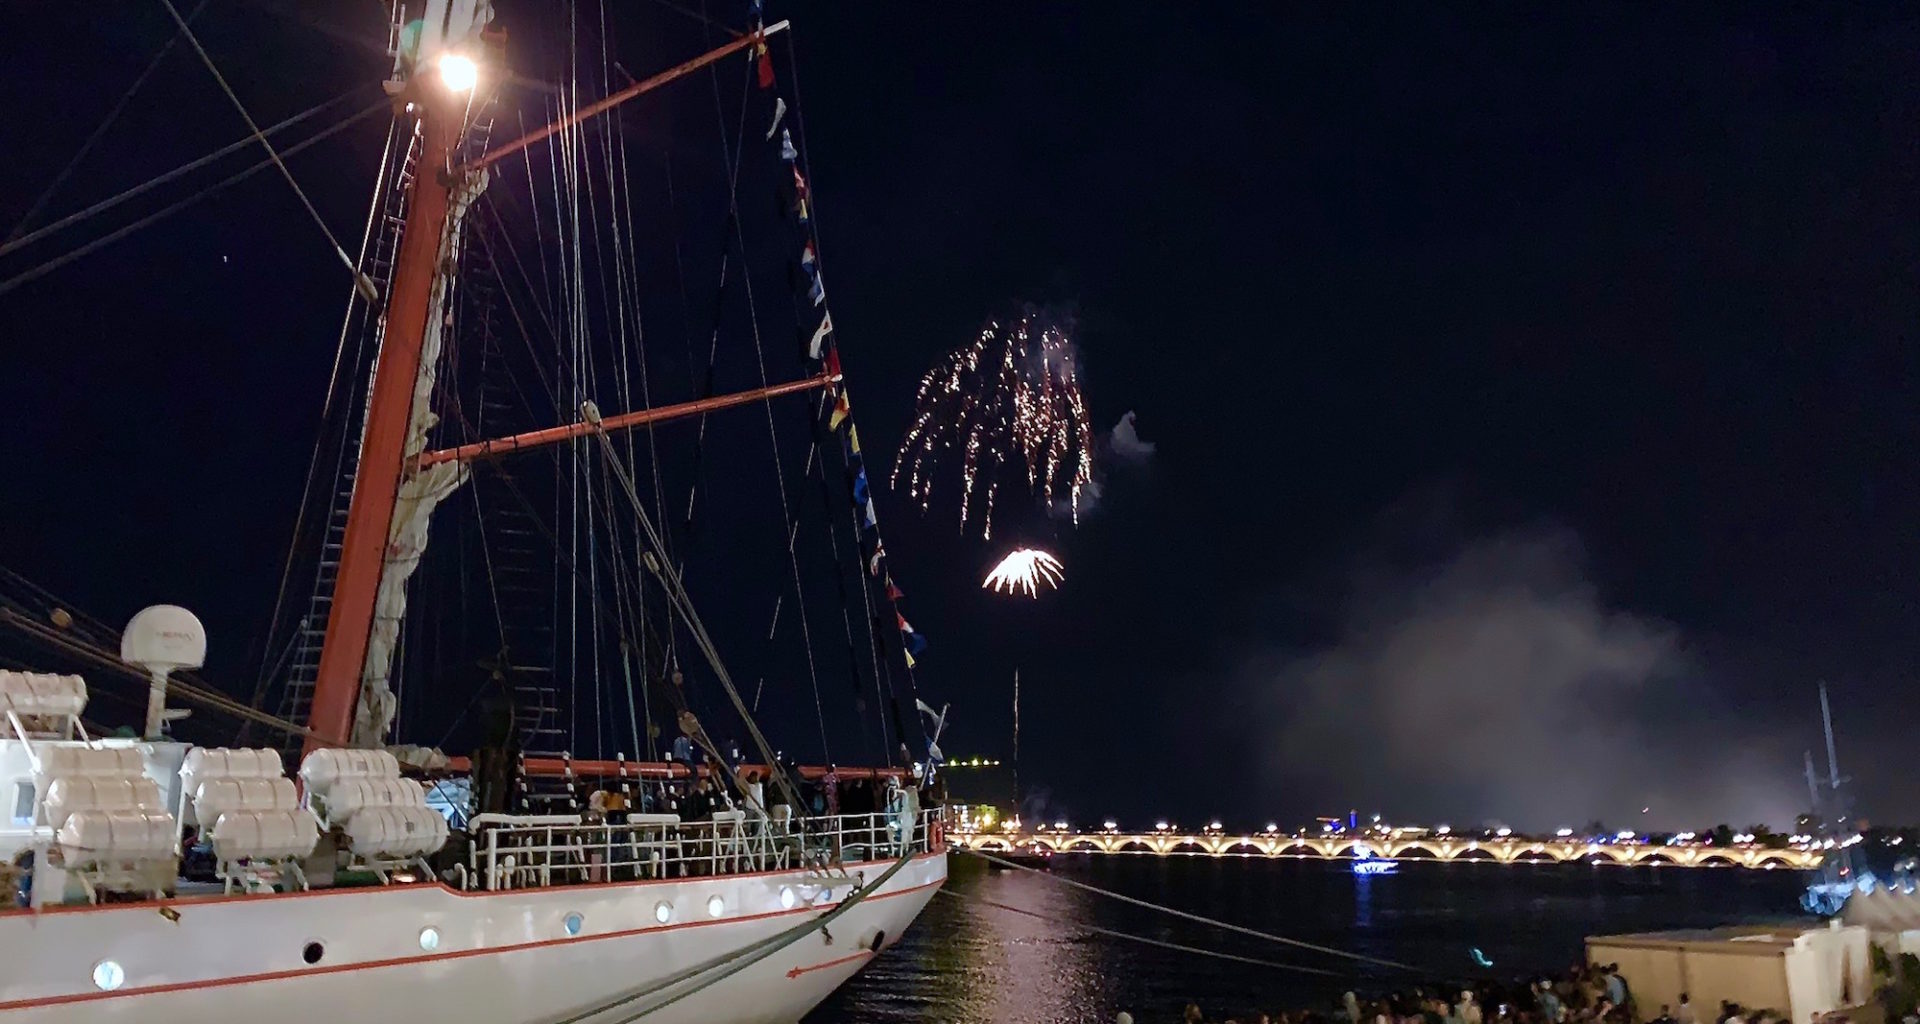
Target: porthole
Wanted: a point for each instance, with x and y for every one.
(108, 975)
(716, 906)
(787, 899)
(663, 911)
(313, 952)
(429, 939)
(573, 922)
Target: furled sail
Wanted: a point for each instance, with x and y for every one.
(420, 491)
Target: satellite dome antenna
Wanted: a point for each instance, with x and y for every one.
(161, 639)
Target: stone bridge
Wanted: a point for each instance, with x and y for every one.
(1441, 848)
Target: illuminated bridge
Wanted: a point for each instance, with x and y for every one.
(1509, 850)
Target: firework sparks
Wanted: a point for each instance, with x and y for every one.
(1025, 569)
(1010, 397)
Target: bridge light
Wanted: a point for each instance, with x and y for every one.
(1443, 829)
(1563, 833)
(1271, 827)
(1213, 826)
(1059, 826)
(1623, 834)
(1503, 831)
(1110, 825)
(1159, 826)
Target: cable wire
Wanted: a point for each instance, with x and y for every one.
(1227, 925)
(151, 183)
(100, 132)
(166, 211)
(1163, 944)
(361, 281)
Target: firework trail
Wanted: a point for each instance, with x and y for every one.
(1011, 396)
(1024, 569)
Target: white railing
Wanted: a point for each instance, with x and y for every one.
(525, 851)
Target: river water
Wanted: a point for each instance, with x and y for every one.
(966, 961)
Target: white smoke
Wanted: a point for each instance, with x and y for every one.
(1497, 683)
(1124, 443)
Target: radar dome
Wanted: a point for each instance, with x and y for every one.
(163, 638)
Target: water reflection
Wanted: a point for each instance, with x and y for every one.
(963, 962)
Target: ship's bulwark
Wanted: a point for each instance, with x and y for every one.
(497, 958)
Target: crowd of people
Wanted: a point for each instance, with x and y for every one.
(1585, 994)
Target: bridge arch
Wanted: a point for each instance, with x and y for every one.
(1083, 846)
(1188, 847)
(1133, 846)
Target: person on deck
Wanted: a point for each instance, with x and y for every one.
(1685, 1014)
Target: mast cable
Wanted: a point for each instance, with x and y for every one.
(57, 262)
(361, 280)
(101, 131)
(1112, 934)
(104, 205)
(1227, 925)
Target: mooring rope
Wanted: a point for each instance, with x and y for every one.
(1227, 925)
(1130, 937)
(736, 961)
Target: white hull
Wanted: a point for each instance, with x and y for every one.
(499, 958)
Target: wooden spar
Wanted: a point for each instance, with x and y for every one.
(551, 766)
(613, 100)
(343, 654)
(624, 421)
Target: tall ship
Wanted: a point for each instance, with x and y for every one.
(511, 775)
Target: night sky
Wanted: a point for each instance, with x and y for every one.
(1532, 395)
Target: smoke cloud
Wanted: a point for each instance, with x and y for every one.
(1496, 685)
(1124, 443)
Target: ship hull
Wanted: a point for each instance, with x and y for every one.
(504, 957)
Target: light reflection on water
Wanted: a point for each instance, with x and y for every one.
(964, 962)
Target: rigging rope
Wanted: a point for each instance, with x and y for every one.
(1226, 925)
(1129, 937)
(676, 593)
(110, 202)
(381, 186)
(100, 132)
(361, 280)
(57, 262)
(735, 961)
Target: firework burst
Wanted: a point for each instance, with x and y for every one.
(1024, 569)
(1010, 397)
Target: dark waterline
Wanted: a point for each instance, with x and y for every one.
(967, 962)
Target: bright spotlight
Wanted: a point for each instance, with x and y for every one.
(458, 72)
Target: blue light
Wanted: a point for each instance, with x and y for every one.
(1374, 866)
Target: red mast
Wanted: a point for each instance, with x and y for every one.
(336, 687)
(383, 462)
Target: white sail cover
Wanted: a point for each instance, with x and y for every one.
(419, 492)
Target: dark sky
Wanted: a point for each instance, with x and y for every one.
(1532, 394)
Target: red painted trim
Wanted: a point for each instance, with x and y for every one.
(249, 979)
(185, 903)
(798, 971)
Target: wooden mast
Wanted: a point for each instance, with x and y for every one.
(343, 654)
